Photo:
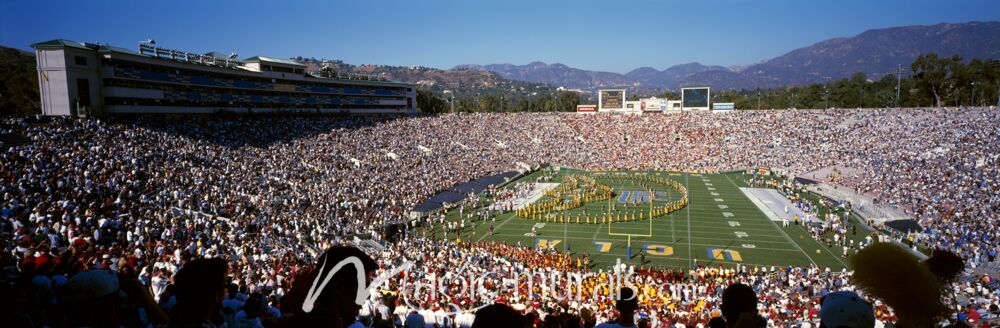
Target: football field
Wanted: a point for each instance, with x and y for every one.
(718, 225)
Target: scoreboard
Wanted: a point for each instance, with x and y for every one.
(696, 98)
(611, 99)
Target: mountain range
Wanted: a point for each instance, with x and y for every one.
(462, 83)
(873, 52)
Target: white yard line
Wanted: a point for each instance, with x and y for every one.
(673, 235)
(687, 184)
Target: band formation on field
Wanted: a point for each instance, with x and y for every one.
(577, 190)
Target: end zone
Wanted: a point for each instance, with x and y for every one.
(774, 205)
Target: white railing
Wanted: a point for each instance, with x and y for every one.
(864, 205)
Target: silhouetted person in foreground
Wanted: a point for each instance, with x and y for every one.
(253, 309)
(200, 287)
(912, 288)
(93, 299)
(717, 322)
(739, 307)
(323, 298)
(498, 315)
(845, 309)
(626, 304)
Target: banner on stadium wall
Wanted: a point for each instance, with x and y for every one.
(653, 104)
(723, 106)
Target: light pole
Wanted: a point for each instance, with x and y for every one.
(863, 85)
(972, 102)
(899, 71)
(898, 78)
(452, 100)
(755, 86)
(826, 97)
(826, 92)
(758, 99)
(996, 64)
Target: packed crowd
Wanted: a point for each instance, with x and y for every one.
(144, 196)
(789, 296)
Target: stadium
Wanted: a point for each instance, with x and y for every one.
(121, 182)
(164, 188)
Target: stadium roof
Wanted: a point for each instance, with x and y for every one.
(62, 43)
(105, 48)
(257, 59)
(216, 54)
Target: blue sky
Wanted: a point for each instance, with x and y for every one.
(605, 35)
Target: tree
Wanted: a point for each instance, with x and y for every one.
(670, 95)
(568, 100)
(985, 78)
(934, 75)
(859, 84)
(327, 71)
(427, 102)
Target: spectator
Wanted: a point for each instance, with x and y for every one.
(497, 316)
(845, 309)
(739, 303)
(626, 303)
(200, 289)
(254, 308)
(327, 298)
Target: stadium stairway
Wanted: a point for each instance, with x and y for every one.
(991, 268)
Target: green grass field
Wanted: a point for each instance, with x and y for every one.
(720, 225)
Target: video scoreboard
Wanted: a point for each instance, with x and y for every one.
(696, 98)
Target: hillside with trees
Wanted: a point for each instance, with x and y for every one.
(18, 83)
(473, 90)
(930, 81)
